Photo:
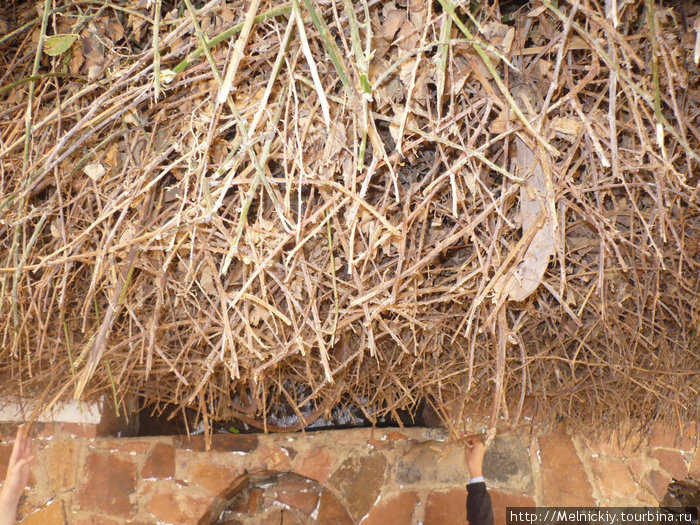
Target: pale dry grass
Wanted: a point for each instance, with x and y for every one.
(379, 203)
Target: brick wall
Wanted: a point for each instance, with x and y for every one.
(337, 477)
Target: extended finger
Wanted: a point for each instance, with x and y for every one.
(18, 446)
(27, 446)
(23, 462)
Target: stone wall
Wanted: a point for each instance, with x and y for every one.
(383, 477)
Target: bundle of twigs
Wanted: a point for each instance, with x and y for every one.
(238, 206)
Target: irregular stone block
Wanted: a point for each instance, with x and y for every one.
(160, 463)
(332, 512)
(672, 462)
(316, 463)
(211, 476)
(51, 514)
(432, 462)
(94, 519)
(394, 510)
(219, 442)
(62, 464)
(449, 506)
(694, 470)
(501, 500)
(109, 483)
(613, 479)
(358, 481)
(564, 480)
(507, 465)
(173, 504)
(658, 483)
(662, 435)
(304, 499)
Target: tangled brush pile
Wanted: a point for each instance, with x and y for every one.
(236, 208)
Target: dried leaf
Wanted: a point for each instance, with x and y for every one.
(95, 171)
(499, 35)
(76, 61)
(258, 314)
(566, 126)
(167, 75)
(408, 37)
(206, 279)
(526, 275)
(537, 11)
(227, 14)
(499, 124)
(392, 22)
(94, 72)
(55, 230)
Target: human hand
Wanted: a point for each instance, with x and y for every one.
(18, 470)
(474, 454)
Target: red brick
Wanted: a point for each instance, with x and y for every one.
(5, 453)
(235, 487)
(563, 478)
(689, 439)
(123, 445)
(273, 458)
(50, 515)
(669, 436)
(33, 500)
(613, 478)
(279, 517)
(316, 463)
(442, 464)
(79, 430)
(694, 470)
(672, 462)
(446, 507)
(663, 435)
(395, 510)
(213, 477)
(62, 464)
(160, 463)
(394, 436)
(45, 430)
(8, 431)
(94, 519)
(658, 483)
(254, 499)
(637, 468)
(305, 500)
(219, 442)
(294, 483)
(109, 481)
(247, 502)
(332, 512)
(502, 500)
(612, 447)
(173, 504)
(644, 497)
(359, 480)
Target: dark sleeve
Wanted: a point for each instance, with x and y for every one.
(479, 509)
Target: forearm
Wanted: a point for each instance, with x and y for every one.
(8, 509)
(475, 471)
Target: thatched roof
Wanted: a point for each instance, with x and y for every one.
(353, 202)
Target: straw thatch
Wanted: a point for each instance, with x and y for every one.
(353, 202)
